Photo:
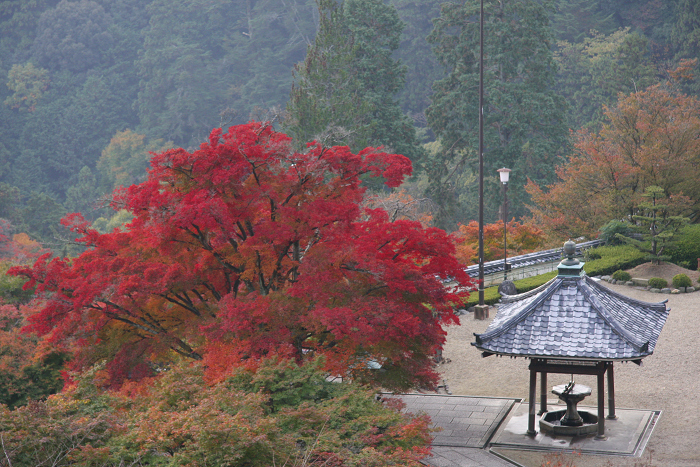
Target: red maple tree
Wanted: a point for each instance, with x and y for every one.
(245, 248)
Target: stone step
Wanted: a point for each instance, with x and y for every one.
(641, 282)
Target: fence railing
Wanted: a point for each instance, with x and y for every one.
(527, 265)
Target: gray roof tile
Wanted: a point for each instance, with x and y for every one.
(574, 317)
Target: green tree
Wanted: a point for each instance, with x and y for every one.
(205, 58)
(524, 117)
(27, 84)
(18, 23)
(686, 36)
(73, 36)
(83, 196)
(66, 132)
(593, 72)
(422, 68)
(574, 19)
(657, 224)
(116, 221)
(41, 218)
(125, 159)
(344, 91)
(686, 31)
(9, 202)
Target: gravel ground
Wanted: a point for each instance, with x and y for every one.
(668, 381)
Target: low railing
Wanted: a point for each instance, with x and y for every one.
(527, 265)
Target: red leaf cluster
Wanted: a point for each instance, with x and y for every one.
(245, 241)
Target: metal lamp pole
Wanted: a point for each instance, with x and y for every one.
(481, 156)
(505, 175)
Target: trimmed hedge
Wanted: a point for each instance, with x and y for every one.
(613, 258)
(491, 297)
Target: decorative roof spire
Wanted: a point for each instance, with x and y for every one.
(570, 266)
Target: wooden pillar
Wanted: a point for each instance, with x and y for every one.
(533, 395)
(543, 392)
(601, 402)
(611, 393)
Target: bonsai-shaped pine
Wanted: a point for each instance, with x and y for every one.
(656, 224)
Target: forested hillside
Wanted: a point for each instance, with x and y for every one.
(212, 211)
(91, 86)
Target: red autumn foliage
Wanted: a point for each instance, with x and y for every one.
(247, 246)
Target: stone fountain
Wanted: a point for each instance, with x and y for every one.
(570, 422)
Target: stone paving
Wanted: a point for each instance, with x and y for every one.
(467, 425)
(471, 426)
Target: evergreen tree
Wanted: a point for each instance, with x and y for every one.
(344, 91)
(686, 31)
(524, 118)
(574, 19)
(592, 73)
(656, 224)
(422, 68)
(686, 37)
(41, 218)
(83, 196)
(202, 58)
(73, 36)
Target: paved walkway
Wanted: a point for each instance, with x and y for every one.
(467, 423)
(470, 426)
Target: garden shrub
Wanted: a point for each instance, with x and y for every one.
(621, 275)
(525, 285)
(279, 413)
(608, 233)
(681, 280)
(613, 258)
(687, 246)
(658, 283)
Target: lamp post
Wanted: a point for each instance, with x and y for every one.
(505, 175)
(483, 309)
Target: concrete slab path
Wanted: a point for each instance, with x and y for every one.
(467, 425)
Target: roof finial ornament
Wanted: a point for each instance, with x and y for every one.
(570, 251)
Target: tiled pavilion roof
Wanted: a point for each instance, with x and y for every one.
(573, 317)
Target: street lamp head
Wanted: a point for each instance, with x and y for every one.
(505, 174)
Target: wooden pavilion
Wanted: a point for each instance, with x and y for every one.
(573, 325)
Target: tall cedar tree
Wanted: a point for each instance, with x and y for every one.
(524, 118)
(344, 91)
(245, 248)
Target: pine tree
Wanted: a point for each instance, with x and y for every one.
(344, 91)
(657, 225)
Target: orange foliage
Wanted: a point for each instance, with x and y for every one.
(651, 138)
(522, 238)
